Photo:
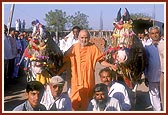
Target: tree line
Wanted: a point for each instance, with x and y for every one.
(58, 20)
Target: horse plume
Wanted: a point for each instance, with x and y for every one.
(126, 16)
(118, 15)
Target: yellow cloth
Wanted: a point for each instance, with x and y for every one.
(83, 62)
(43, 77)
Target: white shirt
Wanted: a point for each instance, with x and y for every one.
(111, 105)
(35, 28)
(161, 53)
(146, 42)
(17, 25)
(65, 45)
(63, 103)
(119, 92)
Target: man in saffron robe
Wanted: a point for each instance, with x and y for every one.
(83, 57)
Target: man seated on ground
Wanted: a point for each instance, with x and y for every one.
(34, 93)
(53, 98)
(101, 100)
(115, 89)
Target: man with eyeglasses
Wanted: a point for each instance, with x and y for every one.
(53, 98)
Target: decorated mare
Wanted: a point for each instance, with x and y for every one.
(126, 51)
(45, 58)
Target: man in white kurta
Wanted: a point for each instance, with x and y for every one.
(70, 39)
(101, 100)
(115, 89)
(153, 69)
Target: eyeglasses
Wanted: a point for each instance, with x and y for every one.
(154, 33)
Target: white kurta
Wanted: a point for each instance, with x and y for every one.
(111, 105)
(63, 103)
(119, 92)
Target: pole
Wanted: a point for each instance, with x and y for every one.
(101, 21)
(154, 15)
(10, 17)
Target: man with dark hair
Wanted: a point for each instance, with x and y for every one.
(101, 100)
(23, 25)
(34, 93)
(7, 55)
(13, 44)
(115, 89)
(76, 31)
(38, 29)
(70, 39)
(65, 44)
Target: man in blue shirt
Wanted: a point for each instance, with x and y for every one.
(7, 55)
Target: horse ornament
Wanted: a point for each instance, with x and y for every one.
(45, 58)
(126, 51)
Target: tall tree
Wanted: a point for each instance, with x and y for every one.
(141, 22)
(79, 19)
(56, 20)
(139, 15)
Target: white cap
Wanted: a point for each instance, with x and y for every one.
(57, 80)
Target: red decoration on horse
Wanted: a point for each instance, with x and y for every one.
(126, 50)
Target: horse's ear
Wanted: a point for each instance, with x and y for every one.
(127, 16)
(119, 15)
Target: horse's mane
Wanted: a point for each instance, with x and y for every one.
(54, 52)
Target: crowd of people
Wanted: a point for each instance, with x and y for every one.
(14, 45)
(79, 60)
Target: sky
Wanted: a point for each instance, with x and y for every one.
(31, 11)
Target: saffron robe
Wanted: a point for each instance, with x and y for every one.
(83, 62)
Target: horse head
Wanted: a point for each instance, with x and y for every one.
(47, 50)
(126, 50)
